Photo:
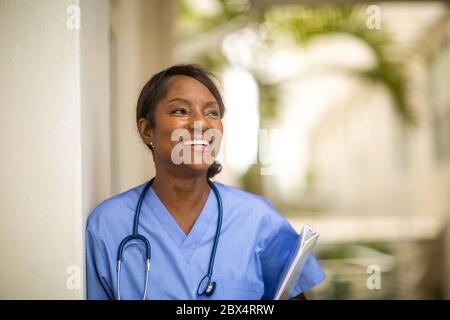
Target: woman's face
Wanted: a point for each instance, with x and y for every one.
(188, 127)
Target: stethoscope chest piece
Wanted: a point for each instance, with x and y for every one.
(206, 286)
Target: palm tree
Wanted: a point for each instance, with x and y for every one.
(304, 24)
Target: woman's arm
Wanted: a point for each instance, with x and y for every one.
(96, 286)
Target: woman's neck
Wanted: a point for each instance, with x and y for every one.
(183, 196)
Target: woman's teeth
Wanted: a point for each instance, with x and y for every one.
(196, 143)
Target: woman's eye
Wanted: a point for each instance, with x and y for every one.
(213, 113)
(179, 111)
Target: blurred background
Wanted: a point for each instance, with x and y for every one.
(337, 111)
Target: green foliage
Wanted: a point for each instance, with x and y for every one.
(191, 22)
(214, 61)
(303, 24)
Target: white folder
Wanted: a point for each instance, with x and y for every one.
(294, 268)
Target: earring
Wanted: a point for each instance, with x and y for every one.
(151, 145)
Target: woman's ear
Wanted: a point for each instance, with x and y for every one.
(145, 130)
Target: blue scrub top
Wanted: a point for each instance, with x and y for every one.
(255, 244)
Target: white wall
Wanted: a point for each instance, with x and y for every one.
(40, 181)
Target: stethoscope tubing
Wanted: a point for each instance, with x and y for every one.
(210, 287)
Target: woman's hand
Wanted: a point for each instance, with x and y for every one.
(301, 296)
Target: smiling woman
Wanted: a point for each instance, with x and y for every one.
(174, 222)
(193, 104)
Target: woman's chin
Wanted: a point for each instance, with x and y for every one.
(197, 167)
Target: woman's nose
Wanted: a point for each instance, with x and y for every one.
(198, 122)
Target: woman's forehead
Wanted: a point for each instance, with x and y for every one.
(182, 86)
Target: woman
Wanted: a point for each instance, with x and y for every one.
(194, 252)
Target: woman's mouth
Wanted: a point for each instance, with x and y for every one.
(197, 145)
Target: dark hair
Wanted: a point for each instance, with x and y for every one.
(156, 89)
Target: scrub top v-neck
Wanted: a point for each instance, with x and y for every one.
(186, 243)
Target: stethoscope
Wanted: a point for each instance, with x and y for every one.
(206, 285)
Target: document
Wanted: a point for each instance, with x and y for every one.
(294, 268)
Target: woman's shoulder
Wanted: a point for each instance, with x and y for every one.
(245, 201)
(237, 193)
(255, 212)
(114, 207)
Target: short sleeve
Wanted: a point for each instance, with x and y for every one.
(97, 287)
(312, 275)
(276, 251)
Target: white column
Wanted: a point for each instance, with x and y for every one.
(40, 180)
